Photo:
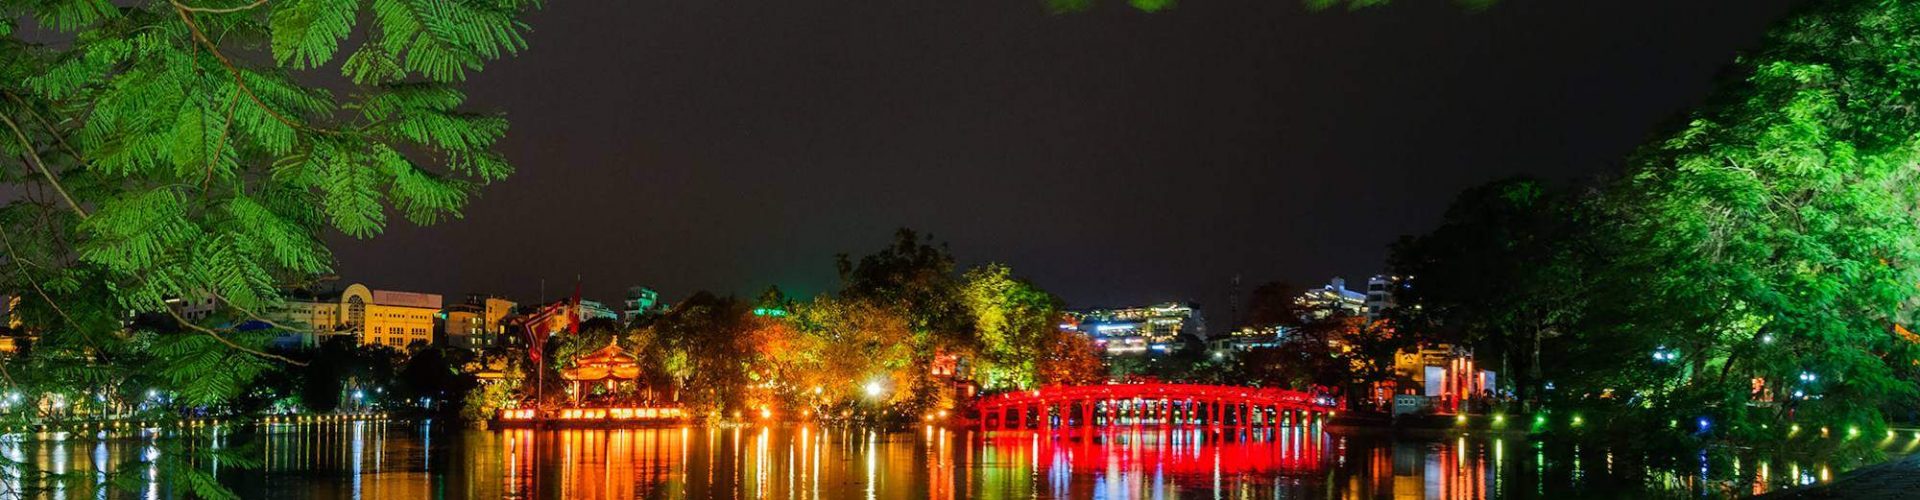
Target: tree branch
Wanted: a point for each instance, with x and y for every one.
(14, 256)
(216, 336)
(225, 131)
(238, 81)
(252, 315)
(221, 10)
(34, 159)
(58, 138)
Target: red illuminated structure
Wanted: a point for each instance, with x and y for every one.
(609, 366)
(1150, 404)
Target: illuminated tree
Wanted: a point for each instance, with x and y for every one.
(1013, 326)
(1068, 357)
(1755, 266)
(856, 343)
(1774, 234)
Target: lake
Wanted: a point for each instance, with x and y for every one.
(392, 459)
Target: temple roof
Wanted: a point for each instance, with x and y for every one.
(608, 362)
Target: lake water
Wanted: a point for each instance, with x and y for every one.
(373, 459)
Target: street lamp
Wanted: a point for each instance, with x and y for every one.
(875, 389)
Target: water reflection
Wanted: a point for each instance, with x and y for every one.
(372, 459)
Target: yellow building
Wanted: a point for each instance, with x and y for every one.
(373, 317)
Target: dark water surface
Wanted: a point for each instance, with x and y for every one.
(399, 460)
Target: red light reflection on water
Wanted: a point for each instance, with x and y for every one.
(1173, 453)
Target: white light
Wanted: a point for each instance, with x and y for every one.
(875, 389)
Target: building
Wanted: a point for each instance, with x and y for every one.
(1332, 299)
(10, 309)
(193, 309)
(1134, 330)
(1247, 338)
(640, 301)
(374, 317)
(1438, 378)
(476, 323)
(14, 336)
(592, 309)
(1380, 294)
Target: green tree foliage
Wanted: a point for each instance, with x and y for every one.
(1756, 266)
(1774, 234)
(182, 149)
(1014, 326)
(200, 149)
(1503, 272)
(707, 351)
(913, 276)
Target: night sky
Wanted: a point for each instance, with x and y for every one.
(1113, 157)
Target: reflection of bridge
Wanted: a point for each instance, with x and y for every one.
(1150, 403)
(1176, 454)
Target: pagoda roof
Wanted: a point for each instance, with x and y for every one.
(607, 362)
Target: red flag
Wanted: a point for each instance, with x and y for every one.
(534, 337)
(539, 326)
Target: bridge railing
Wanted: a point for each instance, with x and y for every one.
(1151, 404)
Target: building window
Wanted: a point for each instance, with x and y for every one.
(356, 310)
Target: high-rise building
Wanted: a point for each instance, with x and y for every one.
(1131, 330)
(1332, 299)
(1380, 292)
(374, 317)
(640, 301)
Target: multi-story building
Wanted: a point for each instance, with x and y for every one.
(374, 317)
(1332, 299)
(197, 308)
(1247, 338)
(476, 323)
(1380, 294)
(1131, 330)
(592, 309)
(640, 301)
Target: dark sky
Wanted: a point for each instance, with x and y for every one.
(1114, 157)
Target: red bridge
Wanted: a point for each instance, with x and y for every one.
(1152, 403)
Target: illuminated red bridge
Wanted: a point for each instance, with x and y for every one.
(1150, 404)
